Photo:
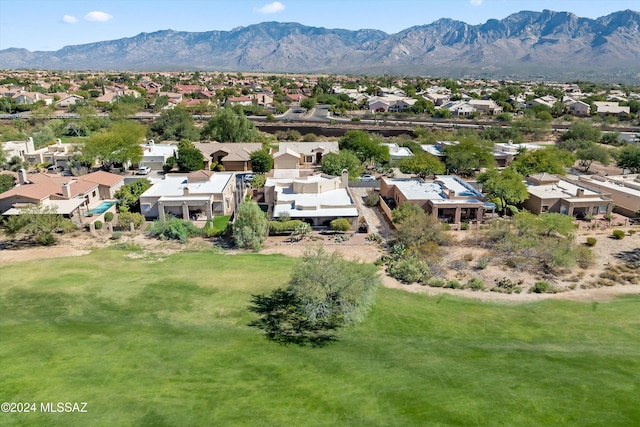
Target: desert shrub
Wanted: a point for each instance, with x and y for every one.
(437, 283)
(542, 287)
(124, 218)
(340, 224)
(618, 234)
(632, 232)
(474, 284)
(591, 241)
(374, 237)
(372, 200)
(483, 262)
(583, 256)
(453, 284)
(284, 227)
(464, 226)
(116, 235)
(458, 264)
(108, 216)
(446, 227)
(284, 216)
(468, 257)
(175, 229)
(507, 286)
(97, 225)
(409, 270)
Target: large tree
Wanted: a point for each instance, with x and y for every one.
(38, 223)
(324, 293)
(469, 156)
(175, 124)
(592, 153)
(250, 227)
(582, 131)
(507, 188)
(364, 146)
(422, 164)
(629, 158)
(189, 157)
(228, 126)
(335, 163)
(548, 159)
(119, 144)
(261, 161)
(128, 195)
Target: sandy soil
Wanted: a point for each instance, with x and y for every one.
(357, 247)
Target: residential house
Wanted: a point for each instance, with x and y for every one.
(239, 100)
(577, 108)
(460, 108)
(27, 98)
(302, 155)
(624, 190)
(198, 195)
(552, 193)
(611, 109)
(67, 100)
(233, 156)
(65, 194)
(447, 198)
(156, 155)
(294, 98)
(438, 99)
(316, 199)
(398, 153)
(487, 106)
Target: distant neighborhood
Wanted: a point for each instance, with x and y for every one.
(200, 154)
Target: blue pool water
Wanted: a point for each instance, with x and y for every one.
(101, 208)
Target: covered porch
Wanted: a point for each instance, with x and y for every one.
(187, 207)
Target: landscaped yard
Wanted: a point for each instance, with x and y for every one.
(153, 339)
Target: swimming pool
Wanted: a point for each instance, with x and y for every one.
(101, 208)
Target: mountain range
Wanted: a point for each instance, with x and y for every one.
(526, 44)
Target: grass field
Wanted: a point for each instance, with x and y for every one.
(162, 340)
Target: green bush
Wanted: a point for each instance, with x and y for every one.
(437, 283)
(632, 232)
(284, 227)
(453, 284)
(374, 237)
(124, 218)
(409, 270)
(591, 241)
(258, 181)
(506, 286)
(542, 287)
(483, 262)
(618, 234)
(474, 284)
(98, 225)
(175, 229)
(108, 216)
(372, 200)
(340, 224)
(464, 226)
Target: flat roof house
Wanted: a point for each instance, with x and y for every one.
(447, 198)
(316, 199)
(624, 190)
(198, 194)
(552, 193)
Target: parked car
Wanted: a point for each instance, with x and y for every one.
(248, 178)
(143, 170)
(367, 178)
(54, 168)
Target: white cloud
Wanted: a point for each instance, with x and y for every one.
(476, 2)
(269, 8)
(97, 16)
(69, 19)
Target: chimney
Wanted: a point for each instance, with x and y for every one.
(58, 141)
(151, 142)
(30, 147)
(580, 192)
(185, 191)
(344, 181)
(22, 177)
(66, 190)
(451, 194)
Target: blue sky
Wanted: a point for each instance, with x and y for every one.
(53, 24)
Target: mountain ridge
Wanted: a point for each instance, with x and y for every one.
(524, 44)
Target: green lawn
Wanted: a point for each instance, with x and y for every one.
(162, 341)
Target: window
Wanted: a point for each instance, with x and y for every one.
(308, 159)
(93, 194)
(545, 209)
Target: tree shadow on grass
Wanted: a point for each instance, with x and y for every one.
(283, 321)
